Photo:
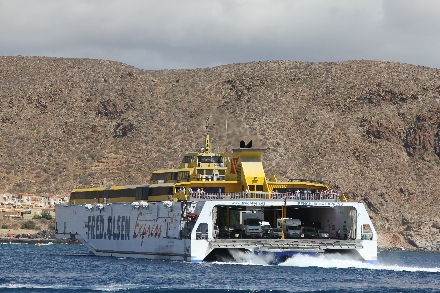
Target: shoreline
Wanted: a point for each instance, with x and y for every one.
(9, 240)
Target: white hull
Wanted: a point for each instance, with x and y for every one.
(184, 231)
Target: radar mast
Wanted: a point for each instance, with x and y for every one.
(207, 129)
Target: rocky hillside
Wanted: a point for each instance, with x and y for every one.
(370, 129)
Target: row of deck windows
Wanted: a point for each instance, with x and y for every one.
(203, 159)
(170, 176)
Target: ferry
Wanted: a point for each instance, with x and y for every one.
(213, 207)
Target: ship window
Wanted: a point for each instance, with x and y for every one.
(204, 159)
(156, 176)
(201, 171)
(187, 159)
(87, 195)
(122, 193)
(183, 175)
(142, 193)
(209, 159)
(166, 176)
(160, 190)
(259, 188)
(202, 231)
(367, 232)
(251, 187)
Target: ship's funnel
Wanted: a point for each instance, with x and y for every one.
(243, 145)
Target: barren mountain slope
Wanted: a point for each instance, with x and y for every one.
(370, 129)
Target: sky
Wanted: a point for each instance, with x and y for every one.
(188, 34)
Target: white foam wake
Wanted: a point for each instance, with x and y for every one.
(344, 261)
(334, 260)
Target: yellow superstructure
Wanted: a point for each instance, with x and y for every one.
(200, 173)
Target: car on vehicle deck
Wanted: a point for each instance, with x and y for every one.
(237, 233)
(323, 234)
(276, 233)
(226, 232)
(309, 232)
(266, 231)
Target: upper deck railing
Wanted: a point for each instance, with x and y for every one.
(307, 196)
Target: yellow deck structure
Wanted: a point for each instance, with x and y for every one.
(204, 173)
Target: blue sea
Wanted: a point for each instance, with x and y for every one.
(66, 268)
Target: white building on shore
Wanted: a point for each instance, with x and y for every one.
(21, 205)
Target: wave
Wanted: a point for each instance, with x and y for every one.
(120, 288)
(335, 260)
(342, 261)
(40, 244)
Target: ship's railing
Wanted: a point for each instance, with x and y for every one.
(302, 244)
(308, 196)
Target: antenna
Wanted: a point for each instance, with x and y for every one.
(207, 128)
(226, 133)
(226, 130)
